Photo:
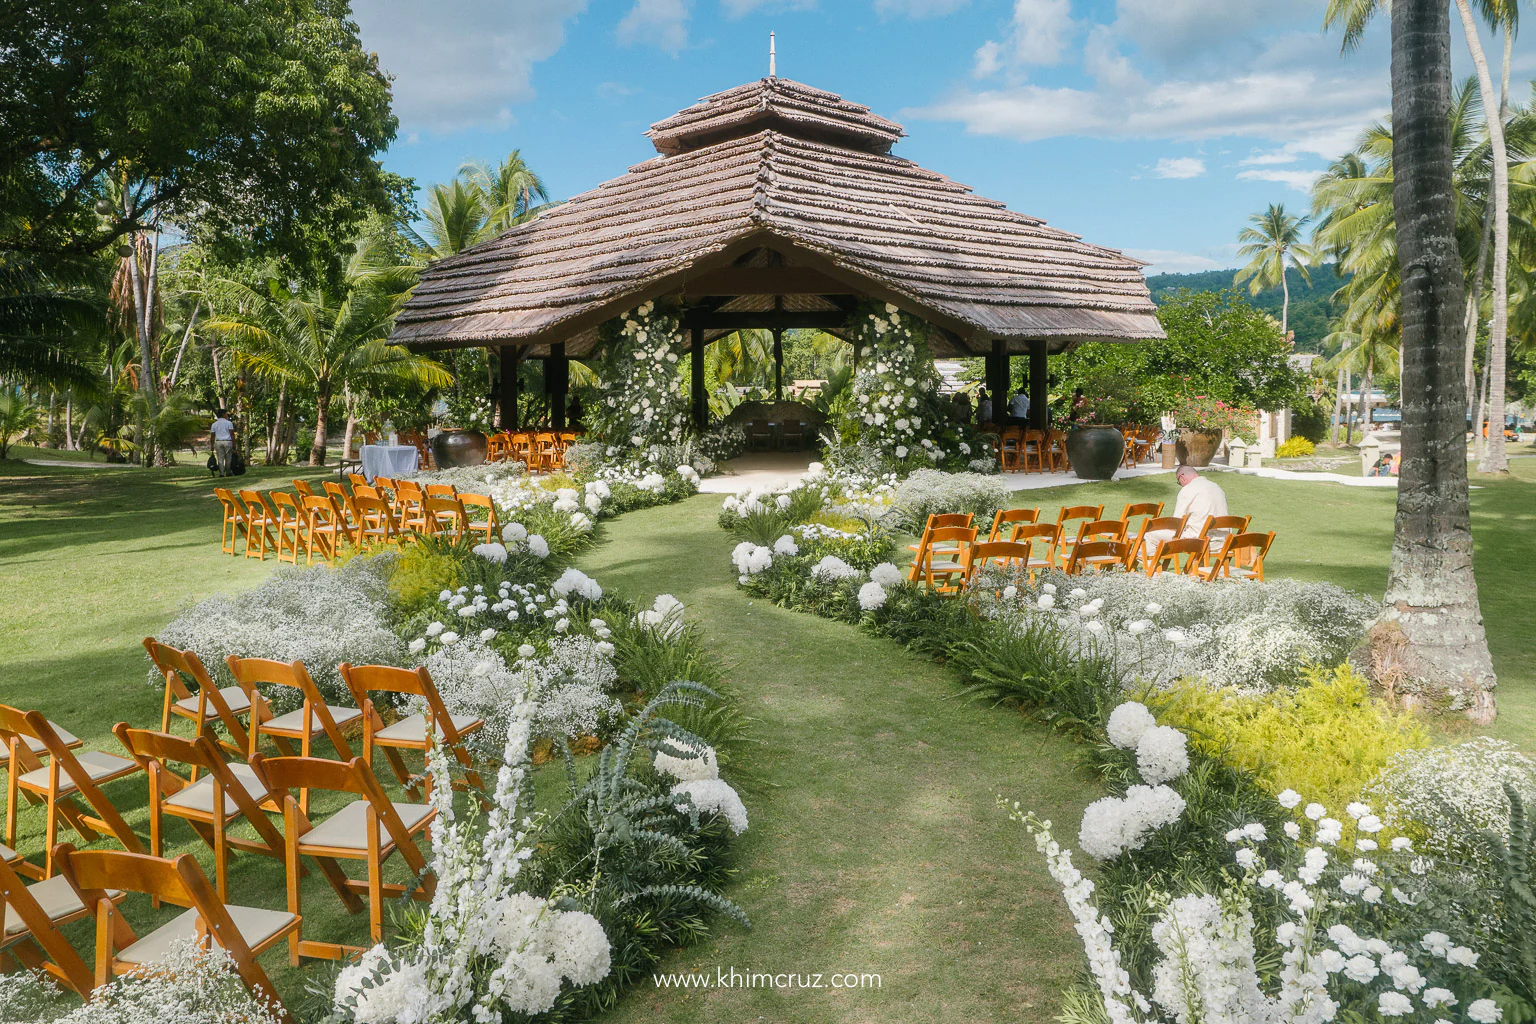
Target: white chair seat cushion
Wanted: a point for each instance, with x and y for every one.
(56, 897)
(414, 729)
(68, 738)
(199, 795)
(254, 925)
(347, 829)
(97, 766)
(293, 721)
(233, 696)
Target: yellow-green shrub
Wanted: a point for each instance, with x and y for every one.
(419, 575)
(1295, 447)
(1326, 738)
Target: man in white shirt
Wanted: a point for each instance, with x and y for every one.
(223, 433)
(1019, 407)
(1200, 497)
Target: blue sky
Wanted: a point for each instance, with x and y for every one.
(1154, 126)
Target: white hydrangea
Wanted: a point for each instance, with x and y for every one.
(832, 568)
(538, 547)
(542, 946)
(886, 574)
(715, 795)
(786, 545)
(1127, 723)
(664, 617)
(871, 596)
(574, 581)
(751, 559)
(1113, 825)
(1162, 754)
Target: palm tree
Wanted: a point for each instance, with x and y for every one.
(1274, 244)
(327, 342)
(456, 218)
(508, 191)
(17, 416)
(1362, 351)
(1431, 603)
(1504, 14)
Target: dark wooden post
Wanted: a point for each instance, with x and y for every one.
(778, 365)
(557, 382)
(700, 398)
(509, 390)
(997, 380)
(1039, 389)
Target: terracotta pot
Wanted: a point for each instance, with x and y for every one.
(1198, 447)
(1095, 452)
(454, 448)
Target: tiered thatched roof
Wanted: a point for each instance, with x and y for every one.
(755, 186)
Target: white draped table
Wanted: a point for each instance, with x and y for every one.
(389, 460)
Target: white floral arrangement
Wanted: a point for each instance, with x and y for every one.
(928, 491)
(641, 399)
(664, 617)
(1445, 794)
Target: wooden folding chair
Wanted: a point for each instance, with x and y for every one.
(384, 484)
(259, 523)
(492, 522)
(1032, 450)
(369, 829)
(1241, 557)
(303, 489)
(1216, 529)
(64, 777)
(1154, 531)
(1097, 555)
(524, 451)
(314, 718)
(1151, 509)
(999, 552)
(30, 919)
(1190, 549)
(326, 528)
(244, 932)
(1069, 519)
(291, 524)
(414, 732)
(410, 507)
(227, 793)
(234, 520)
(497, 448)
(1056, 449)
(1043, 540)
(445, 517)
(941, 558)
(357, 479)
(375, 522)
(440, 490)
(937, 521)
(550, 454)
(1011, 518)
(1011, 448)
(343, 501)
(228, 704)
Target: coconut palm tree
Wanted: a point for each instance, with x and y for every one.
(1431, 620)
(326, 342)
(507, 191)
(455, 218)
(1274, 244)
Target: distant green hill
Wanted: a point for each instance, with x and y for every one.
(1311, 305)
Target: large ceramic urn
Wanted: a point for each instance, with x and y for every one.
(453, 448)
(1095, 452)
(1198, 447)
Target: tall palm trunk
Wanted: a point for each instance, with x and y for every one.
(1360, 407)
(1338, 405)
(1285, 304)
(1431, 597)
(1494, 460)
(69, 422)
(1475, 304)
(351, 406)
(274, 450)
(143, 304)
(322, 400)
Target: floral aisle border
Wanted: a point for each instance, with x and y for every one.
(641, 399)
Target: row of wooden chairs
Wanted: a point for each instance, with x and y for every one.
(950, 552)
(211, 793)
(307, 523)
(541, 451)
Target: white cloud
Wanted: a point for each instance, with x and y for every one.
(1301, 181)
(742, 8)
(1180, 167)
(1176, 31)
(659, 23)
(462, 63)
(915, 8)
(1171, 261)
(1038, 34)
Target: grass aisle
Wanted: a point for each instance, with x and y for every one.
(875, 845)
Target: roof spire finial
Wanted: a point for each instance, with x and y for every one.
(772, 71)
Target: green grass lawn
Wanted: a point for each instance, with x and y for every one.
(874, 846)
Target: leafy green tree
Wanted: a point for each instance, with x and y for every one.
(260, 120)
(508, 191)
(1273, 245)
(17, 416)
(325, 340)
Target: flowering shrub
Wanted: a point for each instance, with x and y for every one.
(1443, 796)
(640, 399)
(1202, 412)
(896, 409)
(928, 491)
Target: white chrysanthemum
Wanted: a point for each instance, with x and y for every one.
(574, 581)
(833, 568)
(1162, 754)
(716, 795)
(1127, 723)
(538, 547)
(786, 545)
(871, 596)
(886, 574)
(704, 765)
(514, 533)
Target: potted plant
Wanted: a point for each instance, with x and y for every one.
(1202, 421)
(466, 444)
(1105, 399)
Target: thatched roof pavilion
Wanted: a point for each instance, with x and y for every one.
(776, 205)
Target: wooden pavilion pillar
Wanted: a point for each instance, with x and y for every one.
(700, 400)
(778, 365)
(1039, 389)
(509, 387)
(997, 379)
(557, 382)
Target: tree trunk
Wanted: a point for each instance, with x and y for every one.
(317, 452)
(1493, 460)
(1338, 405)
(346, 441)
(273, 449)
(69, 422)
(141, 321)
(53, 397)
(1431, 629)
(1475, 304)
(186, 337)
(1360, 406)
(1285, 302)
